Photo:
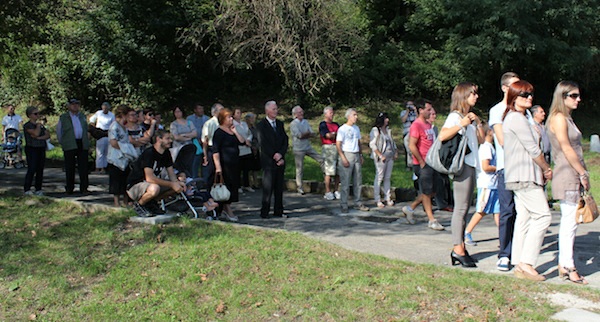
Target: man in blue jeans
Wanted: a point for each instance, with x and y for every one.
(507, 204)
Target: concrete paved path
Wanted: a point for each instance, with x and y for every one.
(379, 231)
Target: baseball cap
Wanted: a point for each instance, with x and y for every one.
(74, 101)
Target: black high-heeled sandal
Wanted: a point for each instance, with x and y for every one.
(465, 261)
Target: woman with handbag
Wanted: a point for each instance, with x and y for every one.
(183, 132)
(226, 155)
(384, 152)
(461, 121)
(525, 173)
(117, 134)
(570, 173)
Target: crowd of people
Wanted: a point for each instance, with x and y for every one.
(508, 161)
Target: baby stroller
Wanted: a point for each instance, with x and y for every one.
(196, 192)
(10, 154)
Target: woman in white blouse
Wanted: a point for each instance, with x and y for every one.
(384, 152)
(464, 122)
(245, 149)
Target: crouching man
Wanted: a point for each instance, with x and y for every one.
(147, 185)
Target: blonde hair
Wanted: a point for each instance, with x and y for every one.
(460, 95)
(558, 99)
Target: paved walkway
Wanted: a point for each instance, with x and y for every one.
(379, 231)
(383, 232)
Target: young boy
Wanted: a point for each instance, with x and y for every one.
(487, 193)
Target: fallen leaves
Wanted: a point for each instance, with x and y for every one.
(221, 308)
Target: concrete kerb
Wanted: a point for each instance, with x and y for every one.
(367, 191)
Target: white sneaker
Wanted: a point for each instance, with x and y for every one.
(435, 225)
(29, 193)
(329, 196)
(249, 189)
(240, 190)
(337, 195)
(503, 264)
(410, 214)
(39, 193)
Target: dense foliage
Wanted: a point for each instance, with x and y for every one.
(160, 53)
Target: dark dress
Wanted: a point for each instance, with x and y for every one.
(35, 151)
(254, 162)
(227, 145)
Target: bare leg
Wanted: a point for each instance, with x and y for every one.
(474, 221)
(416, 202)
(227, 209)
(152, 192)
(337, 183)
(459, 249)
(426, 199)
(327, 181)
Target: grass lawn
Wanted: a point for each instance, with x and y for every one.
(61, 264)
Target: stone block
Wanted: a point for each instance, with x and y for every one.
(595, 143)
(156, 220)
(403, 194)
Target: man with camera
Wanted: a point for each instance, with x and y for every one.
(408, 116)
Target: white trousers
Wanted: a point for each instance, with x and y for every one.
(101, 153)
(383, 173)
(566, 234)
(533, 219)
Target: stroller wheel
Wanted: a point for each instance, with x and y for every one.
(19, 165)
(2, 164)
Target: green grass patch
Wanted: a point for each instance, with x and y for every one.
(61, 263)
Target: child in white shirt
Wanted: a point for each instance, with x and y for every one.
(487, 193)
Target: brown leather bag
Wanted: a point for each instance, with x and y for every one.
(587, 210)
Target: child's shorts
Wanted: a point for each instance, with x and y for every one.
(487, 201)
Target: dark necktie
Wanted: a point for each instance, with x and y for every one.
(274, 125)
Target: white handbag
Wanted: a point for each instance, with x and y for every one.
(219, 190)
(49, 146)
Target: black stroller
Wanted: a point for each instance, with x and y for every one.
(9, 155)
(196, 192)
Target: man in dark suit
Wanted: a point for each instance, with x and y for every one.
(273, 144)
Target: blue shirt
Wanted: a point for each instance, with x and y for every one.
(198, 122)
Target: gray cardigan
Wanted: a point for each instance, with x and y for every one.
(520, 148)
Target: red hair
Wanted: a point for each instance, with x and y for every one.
(514, 89)
(223, 115)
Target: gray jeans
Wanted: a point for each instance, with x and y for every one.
(464, 183)
(347, 174)
(299, 160)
